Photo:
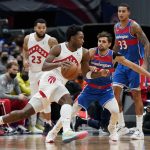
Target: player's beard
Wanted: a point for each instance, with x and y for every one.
(40, 36)
(101, 49)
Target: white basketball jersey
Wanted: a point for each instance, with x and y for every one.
(67, 55)
(38, 51)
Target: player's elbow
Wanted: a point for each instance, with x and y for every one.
(43, 68)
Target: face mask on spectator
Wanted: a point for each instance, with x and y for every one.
(4, 58)
(12, 75)
(25, 77)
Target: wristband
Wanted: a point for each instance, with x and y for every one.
(88, 75)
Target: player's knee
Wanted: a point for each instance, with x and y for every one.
(136, 94)
(66, 99)
(115, 110)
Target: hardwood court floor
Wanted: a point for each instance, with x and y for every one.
(36, 142)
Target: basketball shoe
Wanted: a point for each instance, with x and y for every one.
(70, 135)
(114, 136)
(122, 130)
(137, 135)
(51, 136)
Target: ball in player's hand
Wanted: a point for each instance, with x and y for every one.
(71, 72)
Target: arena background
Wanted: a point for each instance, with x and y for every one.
(17, 18)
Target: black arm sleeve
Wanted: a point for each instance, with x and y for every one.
(116, 54)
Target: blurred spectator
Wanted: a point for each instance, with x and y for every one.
(5, 57)
(9, 85)
(23, 80)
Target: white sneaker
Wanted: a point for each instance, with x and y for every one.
(122, 130)
(132, 130)
(69, 135)
(102, 132)
(114, 136)
(51, 136)
(137, 135)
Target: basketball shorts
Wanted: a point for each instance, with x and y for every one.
(124, 76)
(52, 86)
(34, 78)
(86, 98)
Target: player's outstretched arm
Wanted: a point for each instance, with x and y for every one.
(86, 68)
(133, 66)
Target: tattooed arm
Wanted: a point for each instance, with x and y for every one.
(52, 42)
(137, 31)
(116, 46)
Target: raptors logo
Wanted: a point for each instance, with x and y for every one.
(51, 79)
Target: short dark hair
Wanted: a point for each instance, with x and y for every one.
(10, 64)
(40, 20)
(72, 30)
(124, 5)
(105, 34)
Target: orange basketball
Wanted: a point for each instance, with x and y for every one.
(70, 73)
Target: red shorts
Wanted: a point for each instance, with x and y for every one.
(9, 105)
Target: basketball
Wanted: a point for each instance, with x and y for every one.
(70, 73)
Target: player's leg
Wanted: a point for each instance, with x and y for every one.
(119, 81)
(113, 119)
(50, 138)
(136, 95)
(17, 115)
(66, 114)
(138, 134)
(34, 79)
(33, 106)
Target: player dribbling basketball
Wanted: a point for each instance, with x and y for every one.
(51, 87)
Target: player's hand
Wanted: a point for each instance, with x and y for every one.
(104, 72)
(26, 64)
(93, 68)
(66, 64)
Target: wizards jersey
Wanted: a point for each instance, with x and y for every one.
(102, 62)
(99, 89)
(129, 45)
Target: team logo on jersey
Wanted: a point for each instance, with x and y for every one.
(51, 79)
(37, 48)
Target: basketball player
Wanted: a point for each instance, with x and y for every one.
(36, 48)
(131, 42)
(100, 89)
(52, 84)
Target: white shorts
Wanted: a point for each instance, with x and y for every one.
(40, 104)
(34, 78)
(52, 86)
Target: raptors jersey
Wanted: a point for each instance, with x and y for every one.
(38, 51)
(129, 45)
(67, 55)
